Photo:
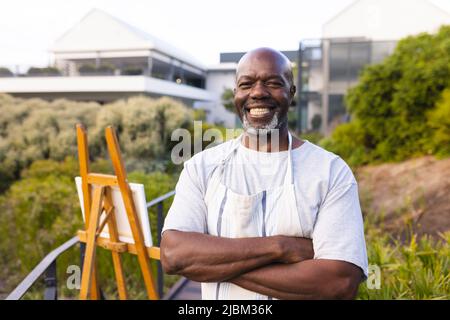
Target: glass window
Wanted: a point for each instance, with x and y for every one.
(359, 57)
(336, 108)
(339, 58)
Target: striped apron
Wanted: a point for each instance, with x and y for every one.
(232, 215)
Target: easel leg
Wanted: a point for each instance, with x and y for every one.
(83, 156)
(89, 258)
(94, 290)
(119, 168)
(114, 237)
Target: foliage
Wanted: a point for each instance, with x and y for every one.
(228, 99)
(411, 267)
(34, 129)
(92, 69)
(348, 141)
(132, 71)
(47, 71)
(316, 122)
(313, 137)
(38, 213)
(41, 211)
(389, 106)
(5, 72)
(418, 269)
(439, 120)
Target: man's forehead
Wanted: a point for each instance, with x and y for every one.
(265, 61)
(264, 71)
(258, 73)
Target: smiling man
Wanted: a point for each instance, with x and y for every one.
(289, 230)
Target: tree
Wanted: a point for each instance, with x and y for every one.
(5, 72)
(390, 103)
(438, 119)
(228, 99)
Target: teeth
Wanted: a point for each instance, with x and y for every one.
(259, 111)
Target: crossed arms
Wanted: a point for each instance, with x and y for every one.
(278, 266)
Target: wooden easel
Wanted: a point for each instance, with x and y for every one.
(101, 205)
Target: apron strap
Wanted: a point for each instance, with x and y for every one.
(289, 178)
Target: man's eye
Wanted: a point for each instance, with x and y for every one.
(274, 84)
(245, 85)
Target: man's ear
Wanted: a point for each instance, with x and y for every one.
(234, 91)
(292, 91)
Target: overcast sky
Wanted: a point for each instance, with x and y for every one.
(201, 27)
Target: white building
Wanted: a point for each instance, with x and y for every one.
(382, 20)
(365, 32)
(219, 78)
(103, 59)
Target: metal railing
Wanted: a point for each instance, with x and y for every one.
(47, 266)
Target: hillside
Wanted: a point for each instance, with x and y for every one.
(414, 192)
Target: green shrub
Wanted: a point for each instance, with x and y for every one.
(132, 71)
(5, 72)
(390, 104)
(38, 213)
(87, 68)
(35, 129)
(415, 270)
(228, 99)
(104, 68)
(47, 71)
(349, 141)
(439, 120)
(41, 211)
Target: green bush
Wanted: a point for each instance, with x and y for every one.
(92, 69)
(438, 119)
(41, 211)
(5, 72)
(228, 99)
(38, 213)
(87, 68)
(415, 270)
(35, 129)
(390, 104)
(132, 71)
(47, 71)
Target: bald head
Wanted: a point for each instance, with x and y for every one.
(264, 90)
(266, 56)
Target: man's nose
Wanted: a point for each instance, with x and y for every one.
(259, 91)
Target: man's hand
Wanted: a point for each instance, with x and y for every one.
(294, 249)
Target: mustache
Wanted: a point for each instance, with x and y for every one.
(266, 104)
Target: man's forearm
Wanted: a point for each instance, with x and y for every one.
(207, 258)
(311, 279)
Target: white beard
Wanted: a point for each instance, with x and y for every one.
(274, 125)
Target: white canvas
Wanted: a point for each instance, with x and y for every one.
(123, 227)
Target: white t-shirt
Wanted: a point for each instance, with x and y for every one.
(325, 188)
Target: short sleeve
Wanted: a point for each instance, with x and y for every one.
(188, 210)
(338, 233)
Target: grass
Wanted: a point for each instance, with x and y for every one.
(415, 268)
